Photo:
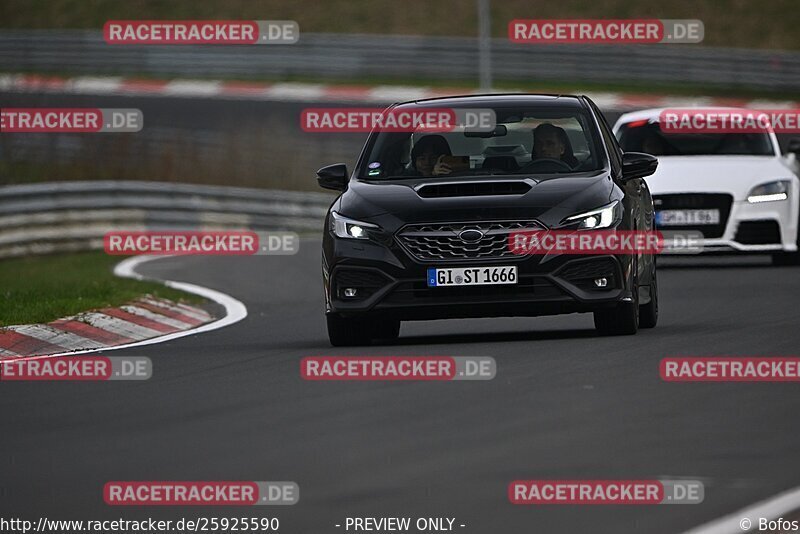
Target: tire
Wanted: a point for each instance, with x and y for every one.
(388, 329)
(648, 313)
(623, 319)
(353, 332)
(788, 258)
(783, 259)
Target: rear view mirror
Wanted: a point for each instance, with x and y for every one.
(333, 177)
(499, 131)
(638, 165)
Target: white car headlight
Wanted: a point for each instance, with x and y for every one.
(349, 228)
(769, 192)
(604, 217)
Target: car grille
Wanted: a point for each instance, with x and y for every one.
(438, 241)
(691, 201)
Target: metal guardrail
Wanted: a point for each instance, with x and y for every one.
(68, 216)
(348, 56)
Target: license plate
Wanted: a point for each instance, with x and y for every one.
(472, 276)
(686, 217)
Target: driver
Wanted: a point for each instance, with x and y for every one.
(551, 142)
(426, 157)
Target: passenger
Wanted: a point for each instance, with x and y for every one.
(426, 157)
(551, 142)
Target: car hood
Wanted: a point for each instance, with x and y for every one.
(550, 200)
(736, 175)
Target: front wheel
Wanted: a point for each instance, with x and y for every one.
(357, 331)
(648, 313)
(622, 319)
(786, 258)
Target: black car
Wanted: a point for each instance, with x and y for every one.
(424, 212)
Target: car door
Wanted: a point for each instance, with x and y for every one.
(637, 195)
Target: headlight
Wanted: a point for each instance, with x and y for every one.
(769, 192)
(604, 217)
(349, 228)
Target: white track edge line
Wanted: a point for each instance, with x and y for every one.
(235, 310)
(770, 509)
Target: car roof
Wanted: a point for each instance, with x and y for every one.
(500, 100)
(654, 113)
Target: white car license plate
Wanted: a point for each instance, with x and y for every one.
(685, 217)
(472, 276)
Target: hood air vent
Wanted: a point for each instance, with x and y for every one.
(474, 189)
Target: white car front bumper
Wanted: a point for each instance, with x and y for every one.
(782, 212)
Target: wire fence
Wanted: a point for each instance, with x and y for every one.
(355, 57)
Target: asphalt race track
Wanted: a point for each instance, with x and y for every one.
(230, 405)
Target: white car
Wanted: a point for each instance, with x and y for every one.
(735, 188)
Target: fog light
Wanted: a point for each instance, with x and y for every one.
(600, 282)
(350, 292)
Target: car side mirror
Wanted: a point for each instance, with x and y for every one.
(638, 165)
(793, 146)
(333, 177)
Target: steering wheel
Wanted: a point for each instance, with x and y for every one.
(545, 165)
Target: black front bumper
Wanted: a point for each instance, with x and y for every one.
(389, 282)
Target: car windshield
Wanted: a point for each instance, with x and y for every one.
(540, 140)
(645, 136)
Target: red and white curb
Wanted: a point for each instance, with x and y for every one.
(143, 322)
(309, 92)
(102, 328)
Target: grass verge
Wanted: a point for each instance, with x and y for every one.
(39, 289)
